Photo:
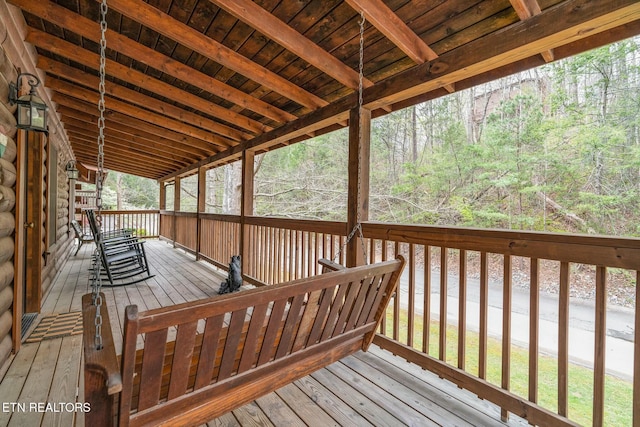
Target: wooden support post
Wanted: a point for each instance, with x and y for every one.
(163, 196)
(246, 203)
(358, 191)
(176, 209)
(202, 206)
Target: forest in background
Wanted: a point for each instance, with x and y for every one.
(552, 149)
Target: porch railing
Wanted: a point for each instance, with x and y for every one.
(432, 317)
(143, 223)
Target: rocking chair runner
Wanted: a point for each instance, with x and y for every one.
(202, 359)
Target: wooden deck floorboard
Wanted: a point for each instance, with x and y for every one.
(374, 388)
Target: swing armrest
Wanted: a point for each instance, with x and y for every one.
(102, 378)
(328, 265)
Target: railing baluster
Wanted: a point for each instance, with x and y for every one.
(462, 309)
(396, 302)
(600, 344)
(412, 292)
(444, 269)
(506, 328)
(383, 249)
(426, 309)
(534, 327)
(636, 358)
(484, 309)
(563, 340)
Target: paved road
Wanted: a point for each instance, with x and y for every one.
(619, 322)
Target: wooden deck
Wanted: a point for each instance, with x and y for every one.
(374, 388)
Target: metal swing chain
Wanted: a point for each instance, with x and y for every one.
(358, 226)
(96, 279)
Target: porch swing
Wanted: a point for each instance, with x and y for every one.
(192, 362)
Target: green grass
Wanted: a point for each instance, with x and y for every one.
(618, 392)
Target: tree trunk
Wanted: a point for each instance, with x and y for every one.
(232, 188)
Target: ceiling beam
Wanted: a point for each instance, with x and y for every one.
(399, 33)
(171, 137)
(89, 59)
(113, 104)
(281, 33)
(173, 29)
(88, 122)
(158, 154)
(89, 29)
(77, 76)
(525, 10)
(514, 43)
(114, 163)
(394, 28)
(131, 154)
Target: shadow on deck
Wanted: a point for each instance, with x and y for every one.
(44, 384)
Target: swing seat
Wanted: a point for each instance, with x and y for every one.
(201, 359)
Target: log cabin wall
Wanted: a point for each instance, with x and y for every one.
(57, 236)
(7, 207)
(17, 56)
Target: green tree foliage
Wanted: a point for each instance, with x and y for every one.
(123, 191)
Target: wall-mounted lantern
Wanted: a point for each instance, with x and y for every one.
(32, 111)
(72, 171)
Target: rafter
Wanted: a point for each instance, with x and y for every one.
(394, 28)
(389, 24)
(138, 125)
(91, 30)
(122, 150)
(114, 156)
(87, 122)
(162, 155)
(525, 10)
(75, 75)
(278, 31)
(518, 42)
(164, 24)
(144, 115)
(73, 52)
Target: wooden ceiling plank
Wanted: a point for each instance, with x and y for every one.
(81, 148)
(144, 172)
(161, 155)
(389, 24)
(278, 31)
(175, 30)
(89, 29)
(77, 76)
(80, 119)
(72, 52)
(525, 10)
(113, 104)
(517, 42)
(113, 148)
(138, 126)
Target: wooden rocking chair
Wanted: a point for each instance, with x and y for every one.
(80, 235)
(201, 359)
(121, 255)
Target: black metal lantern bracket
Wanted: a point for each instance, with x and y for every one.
(32, 111)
